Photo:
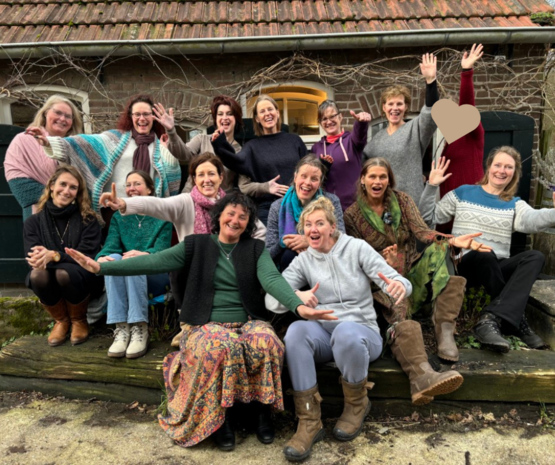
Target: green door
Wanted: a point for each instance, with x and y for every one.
(13, 267)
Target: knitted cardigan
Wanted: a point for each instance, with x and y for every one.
(96, 155)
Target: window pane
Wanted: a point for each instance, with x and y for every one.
(303, 117)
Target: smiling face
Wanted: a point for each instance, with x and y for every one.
(376, 181)
(395, 109)
(233, 222)
(135, 186)
(267, 116)
(208, 180)
(319, 231)
(64, 190)
(331, 121)
(307, 181)
(225, 120)
(59, 119)
(142, 124)
(501, 171)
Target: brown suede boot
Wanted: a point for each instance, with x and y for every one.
(446, 310)
(79, 325)
(58, 311)
(357, 406)
(310, 428)
(425, 383)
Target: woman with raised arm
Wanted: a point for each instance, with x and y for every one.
(272, 156)
(64, 218)
(228, 353)
(344, 147)
(403, 143)
(26, 167)
(132, 236)
(283, 240)
(490, 207)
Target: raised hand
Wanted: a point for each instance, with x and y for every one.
(467, 242)
(86, 262)
(308, 297)
(110, 199)
(390, 255)
(428, 67)
(40, 134)
(215, 135)
(437, 175)
(295, 242)
(362, 116)
(469, 59)
(313, 314)
(276, 188)
(166, 119)
(395, 289)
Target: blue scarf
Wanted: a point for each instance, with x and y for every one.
(290, 213)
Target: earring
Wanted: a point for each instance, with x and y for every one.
(363, 187)
(73, 203)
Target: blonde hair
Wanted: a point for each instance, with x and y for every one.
(258, 130)
(76, 122)
(395, 91)
(510, 189)
(323, 204)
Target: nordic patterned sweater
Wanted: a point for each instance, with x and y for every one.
(96, 156)
(474, 210)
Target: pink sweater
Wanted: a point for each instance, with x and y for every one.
(25, 158)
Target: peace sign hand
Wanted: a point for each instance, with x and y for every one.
(395, 289)
(110, 199)
(437, 174)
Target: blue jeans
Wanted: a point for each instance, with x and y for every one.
(128, 296)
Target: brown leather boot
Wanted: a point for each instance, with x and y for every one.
(447, 306)
(58, 311)
(79, 325)
(425, 383)
(310, 428)
(357, 406)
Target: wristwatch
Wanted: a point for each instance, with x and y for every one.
(56, 257)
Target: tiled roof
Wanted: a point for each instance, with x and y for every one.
(24, 21)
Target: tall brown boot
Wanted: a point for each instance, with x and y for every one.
(79, 325)
(58, 311)
(447, 306)
(357, 406)
(310, 428)
(425, 383)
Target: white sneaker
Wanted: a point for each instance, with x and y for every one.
(139, 341)
(121, 341)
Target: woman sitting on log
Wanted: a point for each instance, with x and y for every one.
(228, 353)
(283, 241)
(491, 208)
(64, 219)
(132, 236)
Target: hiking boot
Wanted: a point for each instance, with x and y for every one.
(488, 333)
(121, 341)
(528, 336)
(60, 315)
(139, 340)
(446, 310)
(79, 325)
(356, 407)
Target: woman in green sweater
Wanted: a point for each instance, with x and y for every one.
(228, 352)
(132, 236)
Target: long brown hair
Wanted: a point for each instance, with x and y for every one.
(82, 198)
(511, 188)
(378, 161)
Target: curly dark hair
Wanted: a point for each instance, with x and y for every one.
(235, 198)
(125, 121)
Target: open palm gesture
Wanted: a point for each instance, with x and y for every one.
(428, 67)
(166, 119)
(437, 175)
(469, 59)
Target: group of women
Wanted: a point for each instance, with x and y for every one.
(348, 237)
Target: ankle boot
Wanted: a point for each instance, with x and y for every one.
(224, 437)
(58, 311)
(265, 431)
(425, 383)
(310, 428)
(357, 405)
(79, 325)
(488, 333)
(528, 336)
(447, 306)
(121, 341)
(138, 345)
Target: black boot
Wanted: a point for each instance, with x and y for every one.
(265, 432)
(225, 436)
(488, 333)
(528, 336)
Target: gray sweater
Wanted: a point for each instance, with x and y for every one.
(404, 150)
(343, 276)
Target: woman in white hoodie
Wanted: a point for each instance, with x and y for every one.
(337, 267)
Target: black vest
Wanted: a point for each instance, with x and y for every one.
(201, 256)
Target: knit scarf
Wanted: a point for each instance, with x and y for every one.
(290, 212)
(141, 157)
(203, 205)
(47, 221)
(391, 207)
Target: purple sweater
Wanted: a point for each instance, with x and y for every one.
(344, 173)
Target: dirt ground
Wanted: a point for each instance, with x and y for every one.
(35, 429)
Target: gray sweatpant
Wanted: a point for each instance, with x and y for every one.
(351, 345)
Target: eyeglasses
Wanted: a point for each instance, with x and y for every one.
(146, 114)
(59, 114)
(326, 119)
(129, 185)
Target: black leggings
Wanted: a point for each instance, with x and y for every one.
(51, 285)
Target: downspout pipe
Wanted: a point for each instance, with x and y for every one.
(337, 41)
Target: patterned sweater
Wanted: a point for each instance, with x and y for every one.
(474, 210)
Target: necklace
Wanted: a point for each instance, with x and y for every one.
(140, 221)
(58, 232)
(227, 255)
